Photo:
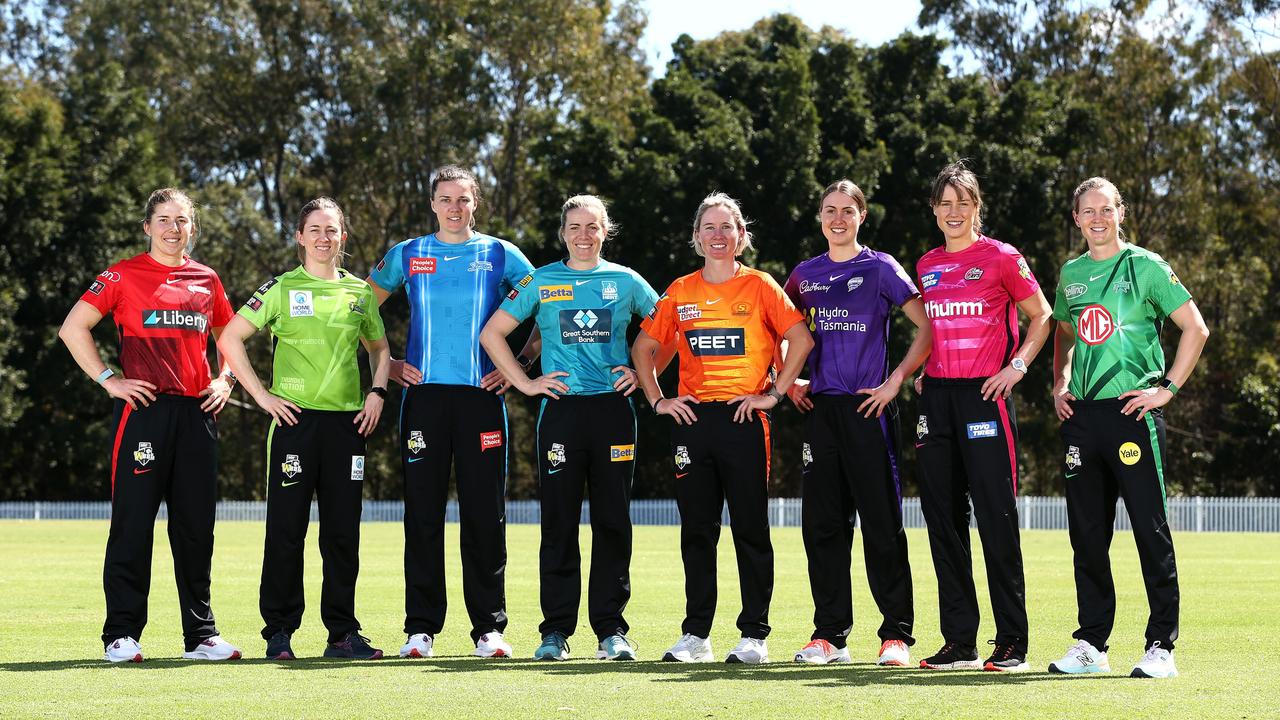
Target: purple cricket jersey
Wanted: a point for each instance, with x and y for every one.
(847, 306)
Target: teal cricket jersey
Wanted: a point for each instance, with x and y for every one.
(583, 316)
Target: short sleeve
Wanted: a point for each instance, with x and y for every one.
(389, 272)
(643, 296)
(371, 327)
(1061, 312)
(780, 312)
(263, 307)
(792, 288)
(521, 302)
(1164, 289)
(104, 292)
(1016, 275)
(897, 287)
(517, 266)
(660, 323)
(222, 311)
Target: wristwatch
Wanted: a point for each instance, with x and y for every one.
(776, 394)
(1019, 365)
(1167, 384)
(525, 363)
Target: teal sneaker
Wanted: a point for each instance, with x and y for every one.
(616, 647)
(555, 646)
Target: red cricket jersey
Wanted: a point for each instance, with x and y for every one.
(971, 299)
(163, 315)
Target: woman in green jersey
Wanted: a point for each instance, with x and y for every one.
(317, 313)
(586, 425)
(1110, 385)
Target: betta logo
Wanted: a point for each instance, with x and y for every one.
(555, 293)
(622, 453)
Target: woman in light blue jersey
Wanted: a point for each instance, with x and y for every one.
(586, 424)
(451, 418)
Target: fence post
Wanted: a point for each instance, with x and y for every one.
(1199, 514)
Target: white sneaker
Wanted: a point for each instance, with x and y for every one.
(821, 652)
(492, 645)
(750, 651)
(1157, 663)
(689, 648)
(894, 653)
(419, 645)
(124, 649)
(213, 648)
(1081, 659)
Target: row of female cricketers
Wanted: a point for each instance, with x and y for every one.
(730, 321)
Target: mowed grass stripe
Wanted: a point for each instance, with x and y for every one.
(51, 609)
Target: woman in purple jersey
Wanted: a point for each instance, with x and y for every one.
(850, 442)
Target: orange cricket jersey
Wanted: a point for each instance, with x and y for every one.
(728, 331)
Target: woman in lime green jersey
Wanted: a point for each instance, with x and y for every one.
(317, 313)
(1110, 388)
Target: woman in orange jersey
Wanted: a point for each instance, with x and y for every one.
(729, 320)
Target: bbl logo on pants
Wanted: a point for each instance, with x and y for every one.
(922, 427)
(555, 455)
(806, 455)
(291, 466)
(144, 454)
(1073, 457)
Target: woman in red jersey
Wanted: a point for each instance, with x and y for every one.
(164, 305)
(727, 320)
(966, 434)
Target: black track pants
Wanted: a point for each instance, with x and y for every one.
(851, 467)
(1110, 455)
(323, 455)
(166, 451)
(585, 441)
(967, 449)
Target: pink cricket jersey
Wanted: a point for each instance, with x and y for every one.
(971, 299)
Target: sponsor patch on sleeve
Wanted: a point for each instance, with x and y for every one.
(513, 294)
(97, 287)
(254, 304)
(524, 281)
(928, 280)
(264, 287)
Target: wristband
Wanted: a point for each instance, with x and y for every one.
(1167, 384)
(379, 391)
(105, 375)
(776, 394)
(655, 403)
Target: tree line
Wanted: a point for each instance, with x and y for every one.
(256, 106)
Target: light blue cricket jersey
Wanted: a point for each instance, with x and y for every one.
(452, 289)
(583, 316)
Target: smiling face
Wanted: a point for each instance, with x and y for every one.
(453, 203)
(1098, 215)
(170, 228)
(583, 232)
(956, 212)
(321, 236)
(719, 235)
(841, 217)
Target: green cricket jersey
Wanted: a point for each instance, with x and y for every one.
(1117, 308)
(317, 324)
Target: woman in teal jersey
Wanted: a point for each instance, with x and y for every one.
(317, 313)
(586, 425)
(1110, 388)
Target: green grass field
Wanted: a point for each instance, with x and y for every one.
(51, 613)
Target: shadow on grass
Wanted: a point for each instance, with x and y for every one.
(844, 675)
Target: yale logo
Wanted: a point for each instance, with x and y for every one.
(1130, 453)
(555, 293)
(717, 341)
(622, 453)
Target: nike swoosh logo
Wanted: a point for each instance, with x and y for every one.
(680, 475)
(1071, 475)
(139, 471)
(580, 283)
(287, 484)
(415, 459)
(713, 302)
(553, 472)
(834, 278)
(447, 258)
(1093, 278)
(171, 281)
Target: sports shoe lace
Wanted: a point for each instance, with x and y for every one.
(1155, 653)
(623, 638)
(689, 640)
(1002, 651)
(558, 638)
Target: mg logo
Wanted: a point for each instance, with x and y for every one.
(1095, 325)
(585, 319)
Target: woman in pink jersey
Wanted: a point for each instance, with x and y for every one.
(164, 305)
(966, 433)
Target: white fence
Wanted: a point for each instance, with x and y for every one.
(1186, 514)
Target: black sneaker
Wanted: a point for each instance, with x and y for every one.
(278, 647)
(953, 656)
(1006, 658)
(353, 647)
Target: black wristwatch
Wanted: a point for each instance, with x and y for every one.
(379, 391)
(1167, 384)
(525, 363)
